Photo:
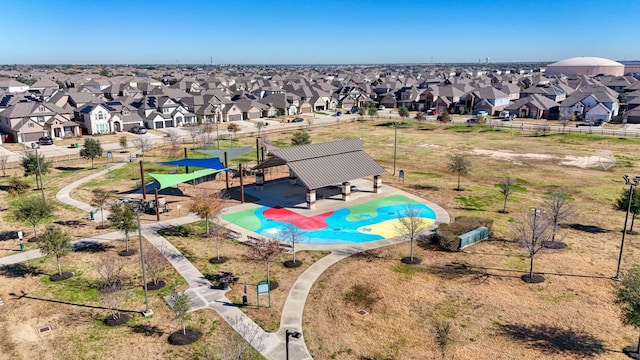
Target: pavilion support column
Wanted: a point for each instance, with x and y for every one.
(311, 199)
(346, 190)
(377, 184)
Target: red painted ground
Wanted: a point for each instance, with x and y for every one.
(306, 223)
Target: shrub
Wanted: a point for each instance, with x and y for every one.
(447, 234)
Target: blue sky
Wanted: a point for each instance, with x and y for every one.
(315, 32)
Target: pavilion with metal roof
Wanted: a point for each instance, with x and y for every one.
(326, 164)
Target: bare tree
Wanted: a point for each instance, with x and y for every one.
(259, 126)
(193, 132)
(266, 251)
(172, 134)
(410, 224)
(143, 143)
(113, 300)
(109, 268)
(505, 189)
(3, 164)
(155, 263)
(531, 231)
(207, 134)
(558, 209)
(99, 198)
(240, 340)
(292, 235)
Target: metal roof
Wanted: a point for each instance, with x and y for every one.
(330, 163)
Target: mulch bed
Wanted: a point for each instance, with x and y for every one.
(102, 227)
(289, 264)
(131, 252)
(180, 338)
(554, 245)
(407, 260)
(156, 286)
(220, 260)
(273, 285)
(122, 319)
(535, 279)
(33, 239)
(60, 277)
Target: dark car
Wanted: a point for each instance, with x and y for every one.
(45, 140)
(472, 121)
(139, 130)
(298, 119)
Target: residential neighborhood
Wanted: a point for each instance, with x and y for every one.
(69, 101)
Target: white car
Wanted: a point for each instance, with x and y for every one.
(381, 107)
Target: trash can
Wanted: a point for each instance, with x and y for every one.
(76, 145)
(91, 213)
(21, 246)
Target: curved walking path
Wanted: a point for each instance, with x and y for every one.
(204, 295)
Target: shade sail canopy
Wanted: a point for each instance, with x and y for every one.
(207, 163)
(231, 153)
(167, 180)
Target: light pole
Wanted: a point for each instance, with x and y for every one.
(632, 183)
(147, 311)
(395, 146)
(293, 334)
(35, 146)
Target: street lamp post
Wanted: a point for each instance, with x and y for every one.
(147, 311)
(632, 183)
(35, 146)
(293, 334)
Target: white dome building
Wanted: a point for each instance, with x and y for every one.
(589, 66)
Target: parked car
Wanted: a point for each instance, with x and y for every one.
(45, 140)
(472, 121)
(482, 113)
(139, 130)
(381, 107)
(433, 111)
(297, 120)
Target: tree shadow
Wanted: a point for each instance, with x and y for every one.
(69, 168)
(550, 339)
(592, 229)
(91, 247)
(20, 270)
(423, 187)
(146, 329)
(8, 235)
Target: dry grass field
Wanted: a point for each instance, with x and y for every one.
(493, 314)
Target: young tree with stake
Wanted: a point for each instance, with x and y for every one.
(99, 198)
(410, 224)
(123, 218)
(505, 189)
(531, 232)
(54, 241)
(459, 165)
(91, 150)
(33, 210)
(293, 235)
(558, 209)
(266, 251)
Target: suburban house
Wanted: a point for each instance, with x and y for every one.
(28, 121)
(488, 99)
(534, 106)
(591, 104)
(13, 86)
